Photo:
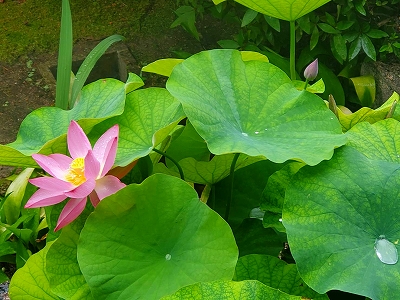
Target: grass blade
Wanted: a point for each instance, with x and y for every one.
(64, 58)
(89, 63)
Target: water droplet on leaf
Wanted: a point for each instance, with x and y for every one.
(386, 251)
(257, 132)
(168, 256)
(244, 134)
(257, 213)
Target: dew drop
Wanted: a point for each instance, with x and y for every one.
(244, 134)
(266, 129)
(331, 118)
(280, 219)
(168, 256)
(257, 132)
(257, 213)
(386, 251)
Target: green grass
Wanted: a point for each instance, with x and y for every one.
(33, 25)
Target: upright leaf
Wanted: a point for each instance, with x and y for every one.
(64, 62)
(89, 63)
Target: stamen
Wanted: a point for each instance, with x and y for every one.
(76, 172)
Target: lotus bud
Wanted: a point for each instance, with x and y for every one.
(311, 71)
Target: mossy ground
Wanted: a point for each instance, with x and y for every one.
(28, 26)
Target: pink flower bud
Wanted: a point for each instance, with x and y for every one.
(311, 71)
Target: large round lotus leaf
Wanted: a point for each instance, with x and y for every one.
(336, 213)
(149, 240)
(252, 107)
(228, 290)
(288, 10)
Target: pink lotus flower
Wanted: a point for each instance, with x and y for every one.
(76, 177)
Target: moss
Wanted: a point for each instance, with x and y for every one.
(33, 25)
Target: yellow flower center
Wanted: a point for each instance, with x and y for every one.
(76, 172)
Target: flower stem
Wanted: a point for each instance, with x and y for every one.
(292, 50)
(171, 159)
(305, 86)
(231, 177)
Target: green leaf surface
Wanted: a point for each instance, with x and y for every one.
(289, 10)
(379, 141)
(252, 238)
(188, 144)
(227, 290)
(273, 22)
(6, 248)
(89, 63)
(62, 269)
(12, 204)
(248, 17)
(354, 48)
(187, 19)
(162, 66)
(133, 82)
(3, 277)
(366, 114)
(335, 212)
(316, 88)
(328, 28)
(149, 117)
(44, 130)
(228, 44)
(274, 193)
(314, 38)
(365, 89)
(344, 24)
(158, 238)
(376, 34)
(275, 273)
(252, 107)
(368, 46)
(248, 186)
(30, 281)
(359, 5)
(340, 46)
(213, 171)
